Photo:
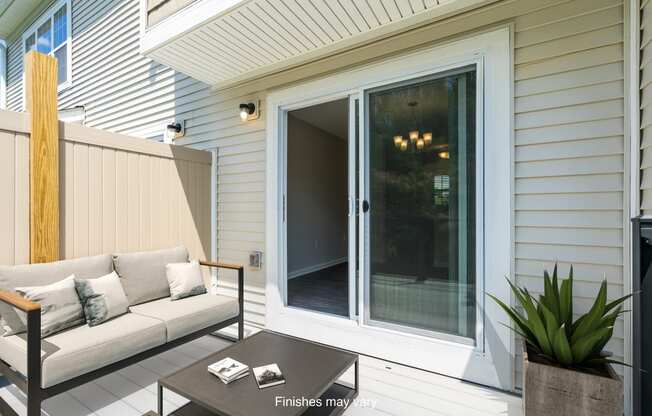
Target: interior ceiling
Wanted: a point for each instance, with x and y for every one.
(407, 107)
(13, 13)
(332, 117)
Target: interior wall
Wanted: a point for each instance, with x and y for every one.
(317, 216)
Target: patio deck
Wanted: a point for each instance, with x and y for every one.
(388, 389)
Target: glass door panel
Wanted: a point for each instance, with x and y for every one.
(422, 192)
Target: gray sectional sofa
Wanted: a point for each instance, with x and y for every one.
(44, 367)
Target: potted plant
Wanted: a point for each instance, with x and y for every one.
(565, 370)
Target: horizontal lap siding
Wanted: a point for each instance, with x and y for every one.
(125, 92)
(569, 145)
(15, 75)
(646, 107)
(122, 90)
(569, 152)
(240, 151)
(569, 149)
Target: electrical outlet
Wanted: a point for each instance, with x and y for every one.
(256, 259)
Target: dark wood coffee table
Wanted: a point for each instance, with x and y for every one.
(310, 370)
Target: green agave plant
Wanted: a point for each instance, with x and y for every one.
(549, 329)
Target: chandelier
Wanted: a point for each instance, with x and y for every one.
(416, 141)
(419, 142)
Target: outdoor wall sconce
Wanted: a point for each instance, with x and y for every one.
(173, 131)
(174, 128)
(249, 111)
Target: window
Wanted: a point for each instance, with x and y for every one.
(442, 189)
(51, 35)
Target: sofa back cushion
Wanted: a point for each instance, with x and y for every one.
(60, 305)
(143, 274)
(43, 274)
(102, 298)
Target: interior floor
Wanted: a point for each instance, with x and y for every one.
(325, 290)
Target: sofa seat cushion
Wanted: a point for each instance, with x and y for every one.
(188, 315)
(80, 350)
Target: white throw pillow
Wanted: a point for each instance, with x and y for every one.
(103, 298)
(185, 280)
(60, 306)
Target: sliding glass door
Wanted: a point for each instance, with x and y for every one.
(379, 183)
(421, 187)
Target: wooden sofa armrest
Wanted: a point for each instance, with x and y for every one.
(32, 384)
(240, 269)
(17, 301)
(221, 265)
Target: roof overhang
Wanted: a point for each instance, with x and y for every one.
(13, 13)
(229, 42)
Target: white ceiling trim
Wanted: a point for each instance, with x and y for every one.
(227, 42)
(184, 21)
(13, 13)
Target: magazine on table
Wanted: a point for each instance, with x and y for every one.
(268, 376)
(228, 370)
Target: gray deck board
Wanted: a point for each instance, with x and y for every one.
(385, 389)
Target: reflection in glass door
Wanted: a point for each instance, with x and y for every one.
(421, 185)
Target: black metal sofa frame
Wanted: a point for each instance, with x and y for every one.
(31, 385)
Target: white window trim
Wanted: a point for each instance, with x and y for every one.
(48, 15)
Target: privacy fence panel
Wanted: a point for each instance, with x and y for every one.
(117, 193)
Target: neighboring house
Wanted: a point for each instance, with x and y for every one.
(118, 88)
(529, 109)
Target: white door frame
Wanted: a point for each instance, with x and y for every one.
(491, 361)
(352, 180)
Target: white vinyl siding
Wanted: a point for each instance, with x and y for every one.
(240, 186)
(646, 107)
(125, 92)
(15, 75)
(569, 149)
(569, 143)
(120, 89)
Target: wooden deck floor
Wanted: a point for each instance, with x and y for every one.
(385, 389)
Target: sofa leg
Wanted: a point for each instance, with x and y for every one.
(240, 303)
(33, 406)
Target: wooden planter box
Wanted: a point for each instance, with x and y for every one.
(554, 391)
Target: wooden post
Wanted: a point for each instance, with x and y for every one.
(41, 96)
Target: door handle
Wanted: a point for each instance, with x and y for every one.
(365, 206)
